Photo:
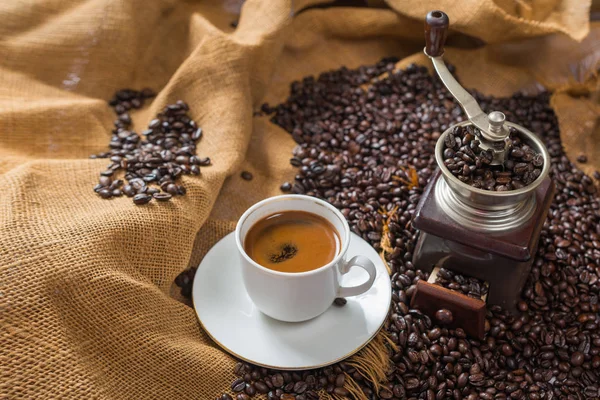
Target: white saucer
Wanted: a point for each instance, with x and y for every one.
(230, 318)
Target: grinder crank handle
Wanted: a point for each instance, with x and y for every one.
(436, 32)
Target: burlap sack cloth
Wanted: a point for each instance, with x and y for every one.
(86, 301)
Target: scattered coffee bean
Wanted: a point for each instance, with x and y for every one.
(142, 198)
(105, 193)
(238, 385)
(286, 187)
(162, 196)
(166, 150)
(204, 162)
(105, 181)
(340, 301)
(247, 176)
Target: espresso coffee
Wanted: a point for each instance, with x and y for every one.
(292, 241)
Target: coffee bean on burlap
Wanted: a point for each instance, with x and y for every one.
(142, 198)
(238, 385)
(162, 196)
(105, 193)
(247, 176)
(164, 151)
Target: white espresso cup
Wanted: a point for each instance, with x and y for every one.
(299, 296)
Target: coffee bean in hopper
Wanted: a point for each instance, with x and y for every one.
(468, 162)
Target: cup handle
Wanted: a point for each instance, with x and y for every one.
(364, 263)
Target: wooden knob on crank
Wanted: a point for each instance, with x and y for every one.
(436, 31)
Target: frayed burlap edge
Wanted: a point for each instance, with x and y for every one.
(372, 363)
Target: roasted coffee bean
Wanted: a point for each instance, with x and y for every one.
(340, 301)
(238, 385)
(286, 187)
(261, 387)
(278, 380)
(250, 390)
(204, 162)
(129, 191)
(105, 181)
(582, 158)
(247, 176)
(142, 198)
(162, 196)
(105, 193)
(339, 380)
(444, 316)
(300, 387)
(577, 359)
(239, 369)
(171, 189)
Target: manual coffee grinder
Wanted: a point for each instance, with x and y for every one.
(489, 235)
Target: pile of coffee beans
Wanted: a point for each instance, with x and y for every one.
(466, 160)
(466, 285)
(167, 151)
(356, 147)
(288, 385)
